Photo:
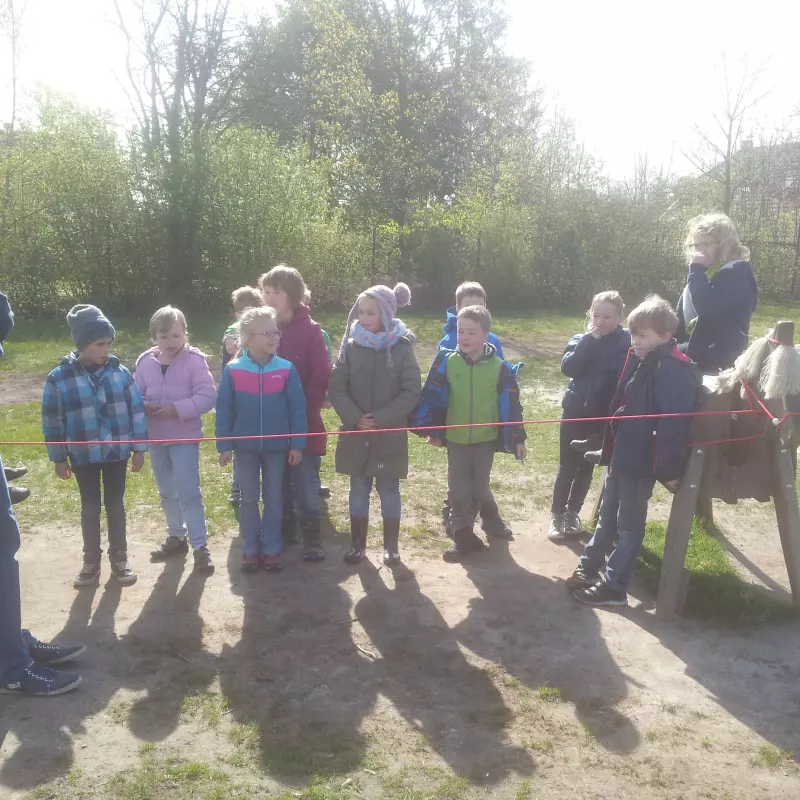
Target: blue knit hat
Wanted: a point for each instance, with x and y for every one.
(87, 324)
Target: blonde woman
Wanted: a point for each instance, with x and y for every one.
(720, 297)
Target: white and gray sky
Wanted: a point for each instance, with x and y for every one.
(633, 74)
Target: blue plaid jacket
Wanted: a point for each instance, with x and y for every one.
(79, 405)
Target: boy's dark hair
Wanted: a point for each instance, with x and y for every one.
(246, 297)
(467, 288)
(289, 280)
(479, 314)
(654, 313)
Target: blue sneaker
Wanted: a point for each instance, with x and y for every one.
(39, 681)
(49, 654)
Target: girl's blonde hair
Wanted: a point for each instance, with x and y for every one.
(612, 298)
(164, 319)
(721, 229)
(249, 319)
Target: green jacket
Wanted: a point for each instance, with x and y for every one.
(365, 382)
(473, 397)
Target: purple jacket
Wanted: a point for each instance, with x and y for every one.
(188, 385)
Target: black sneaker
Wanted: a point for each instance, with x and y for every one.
(171, 546)
(49, 654)
(601, 594)
(18, 494)
(39, 681)
(593, 456)
(592, 442)
(324, 491)
(88, 576)
(122, 570)
(14, 473)
(202, 561)
(235, 496)
(582, 579)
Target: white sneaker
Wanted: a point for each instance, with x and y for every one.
(556, 531)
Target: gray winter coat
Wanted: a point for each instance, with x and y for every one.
(364, 383)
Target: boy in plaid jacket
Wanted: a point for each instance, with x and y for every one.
(90, 396)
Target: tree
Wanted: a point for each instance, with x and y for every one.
(720, 139)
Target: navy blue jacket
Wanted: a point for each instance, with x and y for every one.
(450, 339)
(664, 382)
(6, 320)
(593, 367)
(724, 307)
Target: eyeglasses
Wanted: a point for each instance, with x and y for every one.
(268, 334)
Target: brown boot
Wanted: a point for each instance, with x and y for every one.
(358, 538)
(391, 537)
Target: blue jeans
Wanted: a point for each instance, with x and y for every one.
(623, 515)
(14, 655)
(388, 489)
(261, 477)
(177, 471)
(301, 490)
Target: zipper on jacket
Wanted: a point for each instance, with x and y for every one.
(261, 405)
(471, 398)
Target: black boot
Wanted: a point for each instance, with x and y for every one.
(464, 542)
(13, 473)
(171, 546)
(312, 547)
(391, 537)
(18, 494)
(358, 537)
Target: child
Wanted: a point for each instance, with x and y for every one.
(375, 384)
(467, 386)
(593, 362)
(303, 344)
(242, 298)
(471, 293)
(642, 451)
(260, 394)
(178, 389)
(720, 297)
(90, 396)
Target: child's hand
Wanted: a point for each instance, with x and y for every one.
(62, 470)
(295, 457)
(433, 441)
(137, 462)
(366, 423)
(673, 486)
(522, 452)
(166, 412)
(150, 408)
(225, 458)
(594, 333)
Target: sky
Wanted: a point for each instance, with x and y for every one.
(635, 76)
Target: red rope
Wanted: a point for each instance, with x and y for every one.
(429, 428)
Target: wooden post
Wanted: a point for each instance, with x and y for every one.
(672, 587)
(787, 512)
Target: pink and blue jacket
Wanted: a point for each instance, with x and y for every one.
(257, 401)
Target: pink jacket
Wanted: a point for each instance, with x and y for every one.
(188, 385)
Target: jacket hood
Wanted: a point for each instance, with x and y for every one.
(187, 350)
(489, 350)
(744, 268)
(452, 320)
(300, 314)
(73, 359)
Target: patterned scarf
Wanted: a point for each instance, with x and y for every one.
(384, 340)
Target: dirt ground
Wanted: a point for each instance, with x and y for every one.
(437, 666)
